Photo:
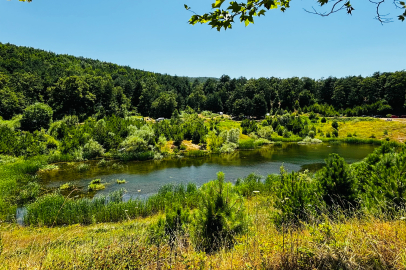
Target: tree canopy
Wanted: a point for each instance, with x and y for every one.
(224, 16)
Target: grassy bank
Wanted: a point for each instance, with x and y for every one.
(351, 243)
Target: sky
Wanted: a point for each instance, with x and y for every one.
(155, 36)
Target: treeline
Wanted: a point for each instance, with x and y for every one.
(85, 87)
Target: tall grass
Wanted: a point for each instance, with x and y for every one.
(55, 209)
(18, 184)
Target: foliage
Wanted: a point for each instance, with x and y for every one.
(219, 218)
(223, 17)
(92, 149)
(297, 197)
(248, 126)
(36, 116)
(337, 184)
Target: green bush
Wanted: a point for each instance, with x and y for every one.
(334, 124)
(220, 217)
(337, 185)
(323, 120)
(36, 116)
(92, 149)
(265, 132)
(297, 197)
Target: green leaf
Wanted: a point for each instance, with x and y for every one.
(217, 4)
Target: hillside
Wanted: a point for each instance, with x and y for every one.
(87, 87)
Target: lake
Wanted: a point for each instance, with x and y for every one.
(146, 177)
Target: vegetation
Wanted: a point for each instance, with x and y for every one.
(78, 109)
(223, 17)
(297, 220)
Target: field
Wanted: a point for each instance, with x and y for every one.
(364, 128)
(346, 243)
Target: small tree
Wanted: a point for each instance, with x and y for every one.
(337, 185)
(36, 116)
(220, 216)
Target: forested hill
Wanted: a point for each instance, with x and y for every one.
(86, 87)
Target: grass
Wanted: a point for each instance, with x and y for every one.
(349, 243)
(364, 128)
(55, 209)
(18, 183)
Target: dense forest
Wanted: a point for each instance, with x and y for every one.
(85, 87)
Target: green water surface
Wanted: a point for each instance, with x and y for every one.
(145, 177)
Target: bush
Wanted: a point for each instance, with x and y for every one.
(323, 120)
(338, 186)
(228, 147)
(335, 133)
(265, 132)
(36, 116)
(220, 216)
(92, 149)
(311, 134)
(334, 124)
(297, 197)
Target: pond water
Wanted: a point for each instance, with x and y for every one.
(146, 177)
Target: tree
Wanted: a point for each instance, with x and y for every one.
(36, 116)
(246, 11)
(164, 105)
(337, 184)
(259, 106)
(71, 95)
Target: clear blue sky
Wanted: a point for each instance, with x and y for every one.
(155, 36)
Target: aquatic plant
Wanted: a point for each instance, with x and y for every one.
(118, 181)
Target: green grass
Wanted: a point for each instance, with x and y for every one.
(18, 183)
(55, 209)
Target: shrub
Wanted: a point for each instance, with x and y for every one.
(134, 143)
(297, 197)
(338, 186)
(334, 124)
(118, 181)
(246, 186)
(335, 133)
(228, 147)
(92, 149)
(311, 134)
(323, 120)
(36, 116)
(220, 217)
(246, 144)
(265, 132)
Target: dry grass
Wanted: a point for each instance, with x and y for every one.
(352, 243)
(396, 130)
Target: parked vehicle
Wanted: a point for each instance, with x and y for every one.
(403, 116)
(395, 116)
